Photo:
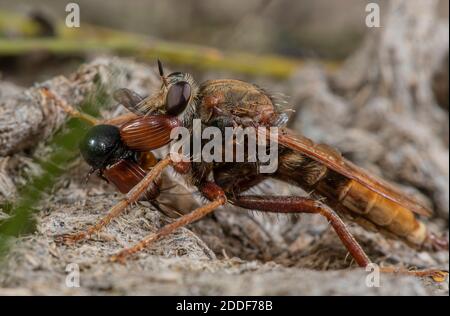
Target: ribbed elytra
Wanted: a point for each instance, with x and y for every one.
(148, 132)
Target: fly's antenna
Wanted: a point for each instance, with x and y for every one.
(161, 73)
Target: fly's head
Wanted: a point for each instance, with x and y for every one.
(177, 97)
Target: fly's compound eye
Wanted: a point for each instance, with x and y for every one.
(178, 97)
(100, 145)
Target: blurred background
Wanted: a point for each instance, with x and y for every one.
(326, 30)
(290, 27)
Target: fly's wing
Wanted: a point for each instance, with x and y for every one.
(333, 160)
(128, 99)
(138, 105)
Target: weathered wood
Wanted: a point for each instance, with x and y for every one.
(26, 118)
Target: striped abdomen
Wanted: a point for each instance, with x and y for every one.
(368, 208)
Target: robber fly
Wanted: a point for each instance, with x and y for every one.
(343, 188)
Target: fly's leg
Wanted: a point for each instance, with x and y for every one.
(117, 121)
(436, 243)
(294, 204)
(437, 274)
(131, 197)
(70, 110)
(210, 190)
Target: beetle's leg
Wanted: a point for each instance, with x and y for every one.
(210, 190)
(131, 197)
(295, 204)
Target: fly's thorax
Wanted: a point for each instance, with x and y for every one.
(228, 101)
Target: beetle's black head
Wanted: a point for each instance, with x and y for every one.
(102, 146)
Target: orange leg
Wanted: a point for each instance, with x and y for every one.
(120, 119)
(294, 204)
(209, 190)
(131, 197)
(70, 110)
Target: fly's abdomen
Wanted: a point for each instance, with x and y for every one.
(368, 208)
(380, 212)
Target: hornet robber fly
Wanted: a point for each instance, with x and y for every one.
(340, 189)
